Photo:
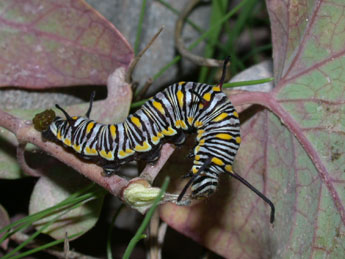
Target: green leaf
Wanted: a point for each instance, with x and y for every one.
(51, 190)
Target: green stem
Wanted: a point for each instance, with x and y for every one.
(139, 235)
(251, 82)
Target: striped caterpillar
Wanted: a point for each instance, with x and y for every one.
(181, 108)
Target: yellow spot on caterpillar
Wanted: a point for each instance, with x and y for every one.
(169, 132)
(196, 150)
(194, 170)
(129, 151)
(123, 154)
(207, 96)
(159, 107)
(197, 157)
(217, 161)
(155, 139)
(238, 140)
(216, 88)
(190, 120)
(201, 142)
(235, 114)
(58, 135)
(75, 117)
(224, 136)
(67, 142)
(160, 135)
(144, 147)
(136, 121)
(228, 168)
(90, 151)
(181, 83)
(113, 131)
(198, 124)
(106, 155)
(89, 127)
(180, 123)
(183, 124)
(220, 117)
(201, 106)
(76, 148)
(180, 96)
(200, 133)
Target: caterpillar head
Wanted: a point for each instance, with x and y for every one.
(43, 120)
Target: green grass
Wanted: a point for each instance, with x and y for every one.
(76, 200)
(140, 232)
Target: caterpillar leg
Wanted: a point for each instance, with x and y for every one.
(190, 182)
(191, 154)
(187, 175)
(152, 156)
(109, 169)
(179, 139)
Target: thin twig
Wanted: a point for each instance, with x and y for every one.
(22, 161)
(154, 248)
(135, 61)
(201, 61)
(146, 87)
(9, 122)
(151, 170)
(66, 249)
(161, 234)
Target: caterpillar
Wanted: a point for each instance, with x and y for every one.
(181, 108)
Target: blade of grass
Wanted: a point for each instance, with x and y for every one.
(202, 37)
(257, 50)
(194, 26)
(140, 27)
(29, 220)
(234, 33)
(251, 82)
(175, 11)
(217, 12)
(45, 226)
(139, 235)
(45, 246)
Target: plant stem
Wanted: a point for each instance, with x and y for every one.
(139, 235)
